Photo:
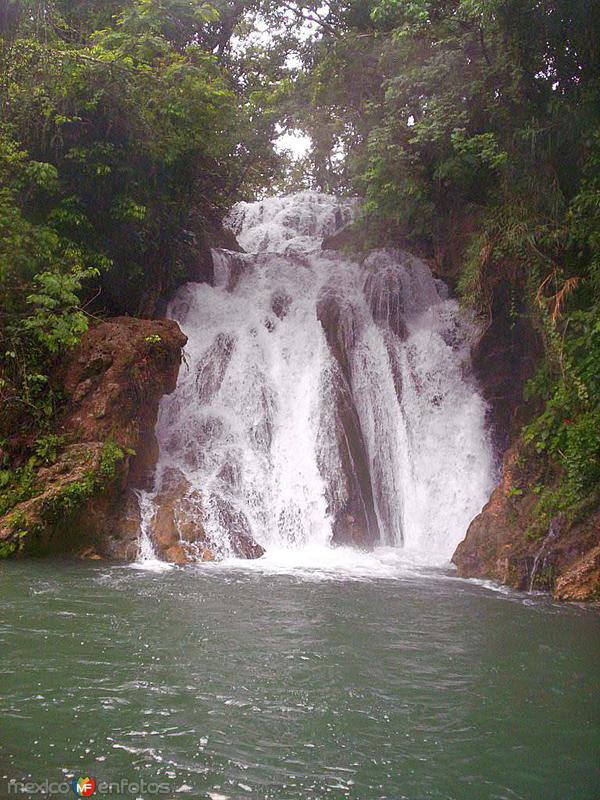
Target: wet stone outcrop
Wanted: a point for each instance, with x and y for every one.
(177, 530)
(505, 542)
(350, 237)
(112, 383)
(352, 506)
(504, 359)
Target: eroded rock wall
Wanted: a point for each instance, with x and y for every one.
(112, 383)
(507, 543)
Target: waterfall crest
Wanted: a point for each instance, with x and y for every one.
(326, 399)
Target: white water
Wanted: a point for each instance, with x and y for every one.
(147, 558)
(252, 440)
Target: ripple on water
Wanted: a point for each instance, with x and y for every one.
(306, 680)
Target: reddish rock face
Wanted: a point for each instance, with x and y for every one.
(113, 382)
(177, 554)
(177, 530)
(502, 545)
(582, 580)
(116, 376)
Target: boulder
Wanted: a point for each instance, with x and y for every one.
(351, 237)
(178, 531)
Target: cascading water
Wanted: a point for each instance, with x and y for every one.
(325, 399)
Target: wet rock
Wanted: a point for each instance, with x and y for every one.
(89, 553)
(164, 529)
(113, 382)
(231, 268)
(232, 520)
(178, 523)
(212, 367)
(121, 369)
(280, 303)
(351, 500)
(341, 328)
(245, 547)
(177, 554)
(504, 544)
(504, 358)
(383, 290)
(582, 581)
(230, 474)
(355, 521)
(120, 540)
(177, 517)
(348, 238)
(394, 359)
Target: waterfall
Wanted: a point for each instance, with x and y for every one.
(326, 399)
(147, 558)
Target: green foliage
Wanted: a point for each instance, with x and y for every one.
(582, 454)
(112, 455)
(514, 491)
(10, 546)
(7, 548)
(48, 447)
(55, 508)
(23, 483)
(18, 485)
(71, 496)
(153, 340)
(567, 431)
(117, 117)
(57, 321)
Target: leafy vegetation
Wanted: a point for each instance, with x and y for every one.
(117, 117)
(71, 496)
(473, 123)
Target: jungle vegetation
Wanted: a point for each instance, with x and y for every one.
(470, 126)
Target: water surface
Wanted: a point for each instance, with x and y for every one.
(368, 681)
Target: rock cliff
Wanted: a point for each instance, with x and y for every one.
(112, 383)
(512, 543)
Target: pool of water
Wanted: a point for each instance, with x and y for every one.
(367, 679)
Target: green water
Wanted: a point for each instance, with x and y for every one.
(243, 684)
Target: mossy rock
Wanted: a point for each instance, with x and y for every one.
(47, 522)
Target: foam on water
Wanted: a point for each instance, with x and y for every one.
(317, 563)
(250, 440)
